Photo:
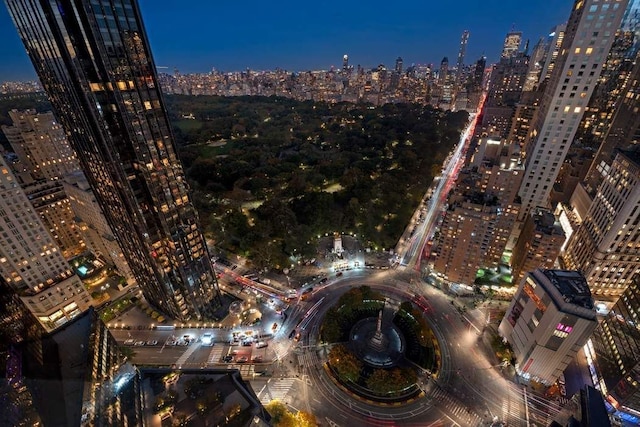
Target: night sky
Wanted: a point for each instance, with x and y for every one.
(196, 36)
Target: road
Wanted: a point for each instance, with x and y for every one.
(468, 390)
(411, 246)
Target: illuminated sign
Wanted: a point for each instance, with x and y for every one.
(528, 289)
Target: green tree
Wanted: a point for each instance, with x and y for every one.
(345, 363)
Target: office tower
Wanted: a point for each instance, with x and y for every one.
(40, 143)
(461, 52)
(536, 62)
(31, 263)
(43, 157)
(481, 214)
(345, 62)
(613, 351)
(82, 378)
(443, 73)
(524, 112)
(584, 48)
(617, 79)
(95, 64)
(554, 44)
(505, 88)
(538, 245)
(623, 130)
(605, 246)
(551, 316)
(93, 225)
(52, 204)
(399, 63)
(478, 73)
(511, 44)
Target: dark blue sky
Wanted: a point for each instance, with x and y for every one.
(196, 35)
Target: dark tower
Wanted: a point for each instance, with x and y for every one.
(399, 64)
(94, 61)
(463, 48)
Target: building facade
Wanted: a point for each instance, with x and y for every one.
(613, 350)
(586, 43)
(551, 317)
(95, 64)
(481, 214)
(606, 246)
(538, 245)
(92, 224)
(31, 262)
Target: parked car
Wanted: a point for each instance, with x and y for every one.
(138, 343)
(242, 359)
(228, 358)
(261, 344)
(129, 342)
(152, 342)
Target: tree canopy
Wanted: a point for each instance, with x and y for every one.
(297, 169)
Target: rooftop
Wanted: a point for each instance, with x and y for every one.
(572, 287)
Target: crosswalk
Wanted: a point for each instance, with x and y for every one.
(215, 354)
(511, 411)
(455, 407)
(276, 389)
(280, 349)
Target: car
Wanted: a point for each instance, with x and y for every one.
(207, 339)
(242, 359)
(184, 342)
(261, 344)
(256, 359)
(339, 274)
(234, 342)
(292, 334)
(274, 327)
(138, 343)
(322, 281)
(129, 342)
(171, 343)
(247, 343)
(228, 358)
(297, 337)
(152, 342)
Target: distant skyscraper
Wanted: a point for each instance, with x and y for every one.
(399, 64)
(505, 88)
(605, 246)
(461, 52)
(443, 73)
(95, 64)
(511, 44)
(551, 316)
(345, 62)
(569, 89)
(553, 46)
(31, 262)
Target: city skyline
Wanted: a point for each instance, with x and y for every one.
(296, 38)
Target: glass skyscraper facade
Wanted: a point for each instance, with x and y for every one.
(94, 61)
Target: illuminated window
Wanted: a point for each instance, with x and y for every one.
(589, 51)
(577, 110)
(577, 51)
